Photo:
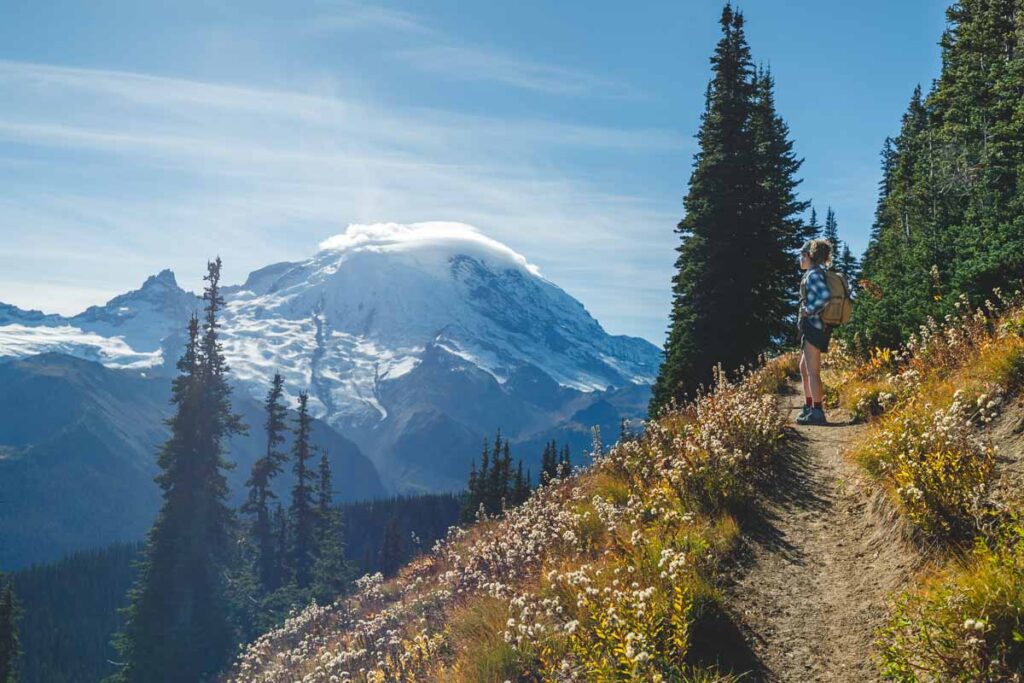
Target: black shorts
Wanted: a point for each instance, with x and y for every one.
(819, 339)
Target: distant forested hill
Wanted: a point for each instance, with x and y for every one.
(71, 610)
(71, 606)
(78, 446)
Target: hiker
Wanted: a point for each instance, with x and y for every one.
(815, 257)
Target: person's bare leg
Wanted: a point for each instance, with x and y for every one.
(813, 358)
(803, 372)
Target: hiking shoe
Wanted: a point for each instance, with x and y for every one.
(815, 416)
(803, 413)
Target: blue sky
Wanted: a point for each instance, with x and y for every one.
(136, 136)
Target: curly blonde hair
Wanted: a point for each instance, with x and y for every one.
(819, 251)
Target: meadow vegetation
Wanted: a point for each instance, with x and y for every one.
(930, 407)
(604, 574)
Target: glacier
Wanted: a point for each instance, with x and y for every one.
(355, 323)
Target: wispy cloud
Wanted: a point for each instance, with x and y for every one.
(442, 55)
(347, 15)
(143, 172)
(476, 64)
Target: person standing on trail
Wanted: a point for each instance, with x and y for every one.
(815, 257)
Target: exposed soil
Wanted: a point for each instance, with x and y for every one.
(821, 556)
(1008, 435)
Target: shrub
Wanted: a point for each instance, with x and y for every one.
(964, 625)
(514, 598)
(936, 465)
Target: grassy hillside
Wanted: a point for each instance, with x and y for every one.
(623, 571)
(608, 574)
(945, 417)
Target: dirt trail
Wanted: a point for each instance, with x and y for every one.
(818, 563)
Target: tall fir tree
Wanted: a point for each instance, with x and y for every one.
(302, 511)
(734, 290)
(831, 231)
(521, 487)
(505, 476)
(813, 228)
(10, 645)
(549, 463)
(282, 544)
(950, 217)
(332, 573)
(324, 493)
(471, 499)
(495, 486)
(775, 229)
(896, 261)
(484, 491)
(497, 480)
(846, 263)
(178, 626)
(264, 470)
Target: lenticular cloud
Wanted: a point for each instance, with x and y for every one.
(383, 237)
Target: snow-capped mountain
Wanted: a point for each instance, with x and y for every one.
(399, 332)
(137, 330)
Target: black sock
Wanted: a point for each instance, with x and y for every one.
(817, 406)
(809, 401)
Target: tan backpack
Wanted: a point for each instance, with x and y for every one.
(840, 304)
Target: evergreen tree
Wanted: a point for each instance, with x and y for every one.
(391, 549)
(331, 572)
(950, 217)
(282, 572)
(324, 493)
(471, 498)
(178, 624)
(478, 490)
(831, 232)
(549, 463)
(484, 491)
(847, 264)
(521, 487)
(813, 228)
(505, 476)
(896, 262)
(494, 486)
(775, 230)
(555, 462)
(302, 512)
(734, 290)
(843, 260)
(10, 647)
(263, 471)
(497, 480)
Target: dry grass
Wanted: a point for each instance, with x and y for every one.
(926, 403)
(929, 406)
(600, 576)
(963, 624)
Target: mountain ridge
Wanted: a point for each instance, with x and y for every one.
(78, 450)
(351, 325)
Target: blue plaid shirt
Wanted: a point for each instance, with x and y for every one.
(816, 296)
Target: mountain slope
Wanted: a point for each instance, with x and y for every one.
(604, 575)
